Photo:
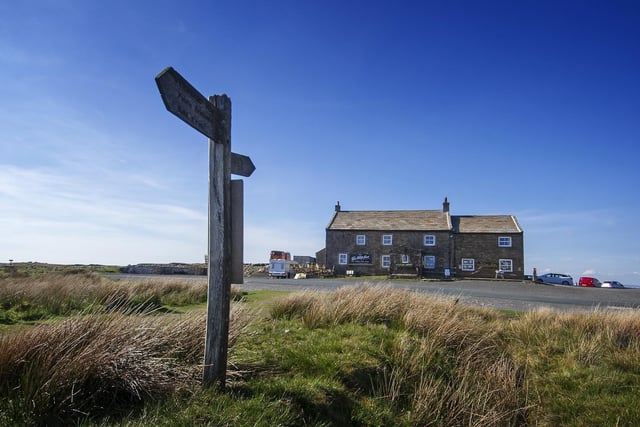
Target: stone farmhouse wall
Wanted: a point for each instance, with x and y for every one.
(486, 254)
(367, 259)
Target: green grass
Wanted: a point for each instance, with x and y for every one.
(34, 269)
(363, 356)
(55, 294)
(584, 367)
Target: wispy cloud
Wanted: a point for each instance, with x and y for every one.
(553, 220)
(39, 206)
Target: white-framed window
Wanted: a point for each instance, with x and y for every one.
(386, 261)
(405, 259)
(505, 265)
(342, 259)
(387, 239)
(504, 241)
(468, 264)
(429, 262)
(429, 240)
(361, 240)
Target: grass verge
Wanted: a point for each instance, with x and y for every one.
(363, 355)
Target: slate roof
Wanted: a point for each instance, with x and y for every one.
(423, 220)
(410, 220)
(485, 224)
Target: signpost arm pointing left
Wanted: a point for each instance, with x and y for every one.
(183, 100)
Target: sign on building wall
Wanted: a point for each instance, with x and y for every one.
(360, 259)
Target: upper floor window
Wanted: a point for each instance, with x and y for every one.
(504, 241)
(386, 261)
(342, 259)
(505, 265)
(361, 239)
(429, 240)
(387, 239)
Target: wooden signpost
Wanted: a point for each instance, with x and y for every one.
(212, 118)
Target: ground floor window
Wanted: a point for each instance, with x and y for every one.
(342, 259)
(429, 262)
(468, 264)
(505, 265)
(405, 259)
(386, 261)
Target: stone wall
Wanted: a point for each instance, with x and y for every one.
(174, 268)
(484, 250)
(367, 259)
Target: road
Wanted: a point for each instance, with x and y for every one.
(504, 295)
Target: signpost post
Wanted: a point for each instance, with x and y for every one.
(212, 118)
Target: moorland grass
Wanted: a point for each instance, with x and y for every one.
(442, 364)
(101, 363)
(38, 297)
(363, 355)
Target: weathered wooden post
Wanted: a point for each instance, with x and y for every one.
(212, 118)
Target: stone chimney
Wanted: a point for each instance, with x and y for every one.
(445, 205)
(338, 206)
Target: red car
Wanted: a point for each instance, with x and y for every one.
(590, 282)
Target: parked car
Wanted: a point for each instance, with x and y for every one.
(612, 284)
(589, 282)
(555, 279)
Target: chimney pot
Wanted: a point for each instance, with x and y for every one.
(445, 205)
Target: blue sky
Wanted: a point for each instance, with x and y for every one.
(528, 108)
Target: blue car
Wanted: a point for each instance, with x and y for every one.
(555, 279)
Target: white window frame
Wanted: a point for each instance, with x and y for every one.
(343, 259)
(385, 261)
(431, 264)
(504, 241)
(361, 240)
(466, 262)
(505, 265)
(431, 238)
(387, 239)
(405, 259)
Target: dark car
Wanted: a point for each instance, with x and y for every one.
(555, 279)
(589, 282)
(612, 284)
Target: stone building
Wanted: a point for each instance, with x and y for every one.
(424, 243)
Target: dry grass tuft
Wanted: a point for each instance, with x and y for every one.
(56, 294)
(584, 338)
(447, 368)
(57, 372)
